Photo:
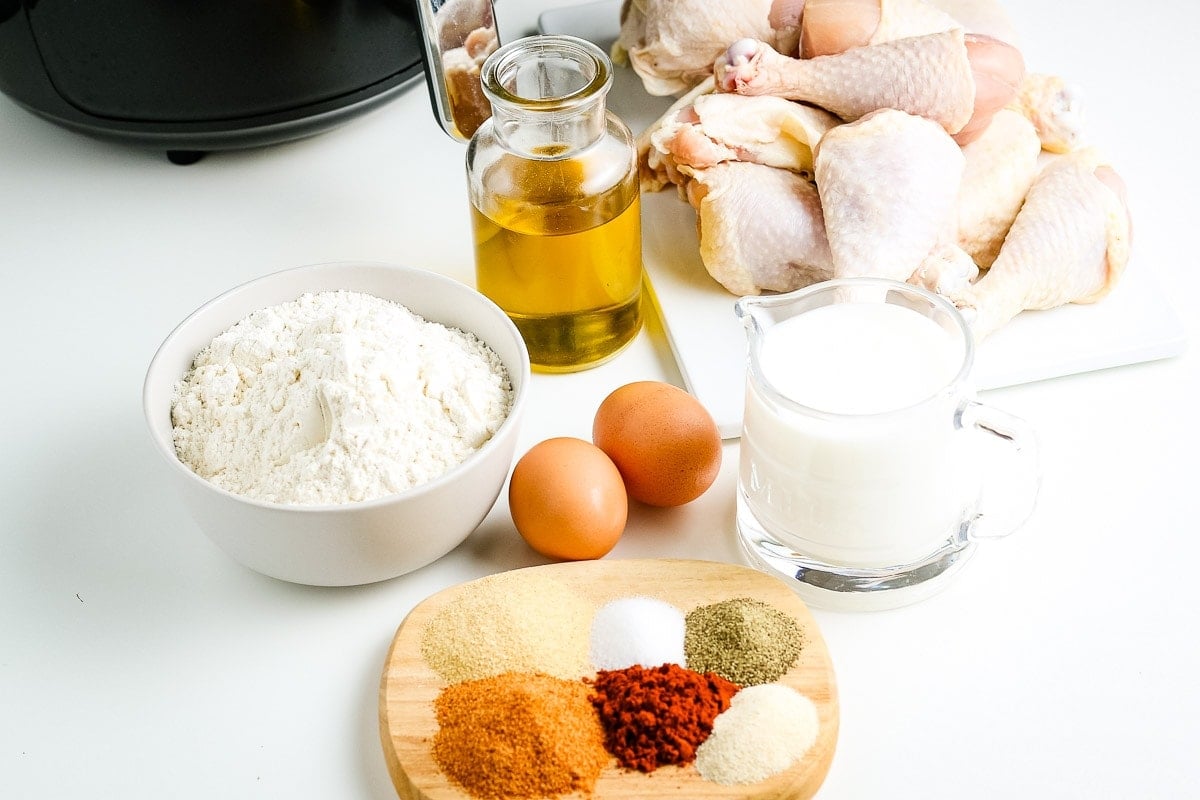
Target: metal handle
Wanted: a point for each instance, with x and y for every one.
(458, 35)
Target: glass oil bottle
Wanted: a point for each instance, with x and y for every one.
(555, 208)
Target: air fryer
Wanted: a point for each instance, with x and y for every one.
(190, 76)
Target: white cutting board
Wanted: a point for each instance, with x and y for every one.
(1134, 323)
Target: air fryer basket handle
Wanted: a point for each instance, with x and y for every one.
(458, 35)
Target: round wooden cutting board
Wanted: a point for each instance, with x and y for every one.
(409, 685)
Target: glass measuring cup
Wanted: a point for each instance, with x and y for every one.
(864, 453)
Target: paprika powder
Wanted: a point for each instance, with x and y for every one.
(658, 715)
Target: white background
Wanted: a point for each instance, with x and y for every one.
(137, 661)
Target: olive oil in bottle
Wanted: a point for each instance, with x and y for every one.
(554, 204)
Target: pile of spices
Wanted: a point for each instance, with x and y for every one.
(743, 640)
(510, 622)
(659, 715)
(766, 729)
(519, 735)
(636, 631)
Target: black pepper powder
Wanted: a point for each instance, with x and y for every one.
(743, 640)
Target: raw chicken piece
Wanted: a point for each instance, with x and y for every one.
(466, 32)
(656, 172)
(1069, 244)
(888, 185)
(902, 19)
(761, 228)
(1000, 168)
(456, 20)
(986, 17)
(929, 76)
(829, 27)
(785, 19)
(998, 69)
(672, 44)
(834, 26)
(1055, 110)
(946, 269)
(728, 127)
(462, 65)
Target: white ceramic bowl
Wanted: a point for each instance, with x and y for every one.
(343, 545)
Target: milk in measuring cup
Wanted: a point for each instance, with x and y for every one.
(849, 448)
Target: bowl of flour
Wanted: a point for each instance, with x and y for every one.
(339, 424)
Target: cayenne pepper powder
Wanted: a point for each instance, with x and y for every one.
(658, 715)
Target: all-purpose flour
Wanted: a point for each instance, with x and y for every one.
(336, 397)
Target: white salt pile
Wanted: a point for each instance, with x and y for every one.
(636, 630)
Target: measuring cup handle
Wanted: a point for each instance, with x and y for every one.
(1020, 468)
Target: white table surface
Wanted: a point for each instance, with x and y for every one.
(137, 661)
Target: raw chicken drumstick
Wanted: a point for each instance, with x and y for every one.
(929, 76)
(1000, 167)
(1069, 244)
(955, 79)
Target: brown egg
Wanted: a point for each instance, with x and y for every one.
(662, 439)
(567, 499)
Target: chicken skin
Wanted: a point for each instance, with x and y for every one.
(888, 185)
(761, 228)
